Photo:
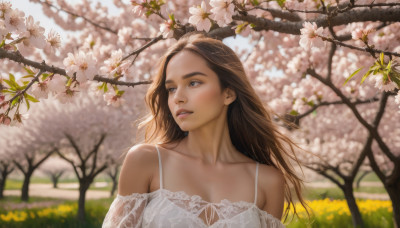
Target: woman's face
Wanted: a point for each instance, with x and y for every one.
(195, 98)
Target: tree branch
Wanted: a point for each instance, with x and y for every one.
(48, 4)
(375, 14)
(281, 14)
(366, 49)
(315, 107)
(17, 57)
(353, 108)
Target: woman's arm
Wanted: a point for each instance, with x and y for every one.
(140, 164)
(271, 181)
(134, 184)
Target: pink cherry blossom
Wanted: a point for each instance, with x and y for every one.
(310, 36)
(14, 20)
(200, 17)
(5, 7)
(113, 66)
(53, 40)
(381, 84)
(361, 34)
(83, 64)
(124, 35)
(166, 28)
(67, 96)
(138, 8)
(113, 99)
(56, 83)
(40, 90)
(34, 32)
(222, 11)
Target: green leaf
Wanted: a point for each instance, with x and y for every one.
(293, 113)
(105, 87)
(2, 43)
(27, 104)
(29, 71)
(389, 66)
(352, 75)
(15, 101)
(382, 58)
(9, 83)
(241, 27)
(172, 17)
(120, 92)
(281, 3)
(28, 76)
(69, 82)
(365, 76)
(29, 97)
(12, 77)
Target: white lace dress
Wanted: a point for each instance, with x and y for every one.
(163, 208)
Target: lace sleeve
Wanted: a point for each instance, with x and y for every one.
(269, 221)
(126, 211)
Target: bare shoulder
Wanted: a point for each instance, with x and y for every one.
(137, 170)
(272, 184)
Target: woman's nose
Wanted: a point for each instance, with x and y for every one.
(180, 96)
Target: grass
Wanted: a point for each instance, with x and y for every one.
(326, 213)
(370, 189)
(62, 215)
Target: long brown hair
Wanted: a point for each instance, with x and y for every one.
(261, 141)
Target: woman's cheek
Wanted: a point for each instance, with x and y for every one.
(207, 95)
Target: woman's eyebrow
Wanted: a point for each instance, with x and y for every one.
(188, 76)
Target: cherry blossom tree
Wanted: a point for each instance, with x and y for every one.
(6, 165)
(341, 144)
(304, 55)
(112, 172)
(25, 148)
(89, 135)
(55, 167)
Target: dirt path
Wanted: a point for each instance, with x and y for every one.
(360, 195)
(65, 191)
(69, 191)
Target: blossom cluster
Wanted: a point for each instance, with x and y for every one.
(221, 12)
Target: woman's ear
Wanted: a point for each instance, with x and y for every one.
(229, 95)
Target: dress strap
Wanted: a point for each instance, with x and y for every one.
(160, 167)
(256, 182)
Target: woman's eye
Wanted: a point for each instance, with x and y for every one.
(194, 83)
(170, 90)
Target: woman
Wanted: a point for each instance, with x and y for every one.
(213, 155)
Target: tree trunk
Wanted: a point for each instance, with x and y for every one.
(114, 186)
(394, 194)
(83, 187)
(361, 177)
(2, 185)
(25, 186)
(55, 177)
(113, 173)
(5, 170)
(351, 203)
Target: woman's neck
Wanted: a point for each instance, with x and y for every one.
(211, 144)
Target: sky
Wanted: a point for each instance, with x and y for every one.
(35, 10)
